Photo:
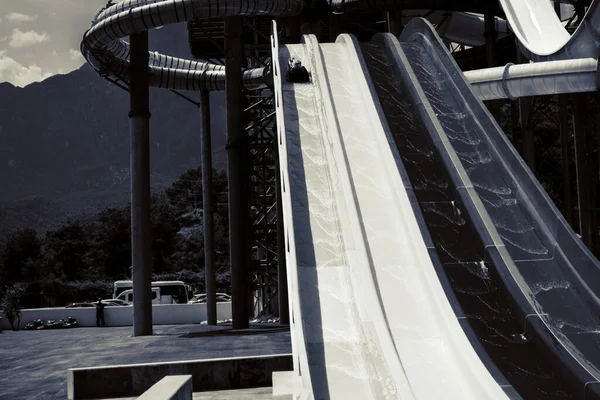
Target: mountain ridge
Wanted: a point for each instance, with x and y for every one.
(64, 142)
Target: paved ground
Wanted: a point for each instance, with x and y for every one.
(33, 364)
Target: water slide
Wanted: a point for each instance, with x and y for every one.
(435, 267)
(540, 32)
(542, 36)
(526, 283)
(371, 317)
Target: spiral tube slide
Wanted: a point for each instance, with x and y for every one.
(542, 36)
(104, 48)
(459, 27)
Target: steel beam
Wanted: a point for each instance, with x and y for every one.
(282, 280)
(141, 252)
(490, 56)
(336, 25)
(525, 122)
(581, 129)
(564, 144)
(395, 22)
(237, 172)
(490, 40)
(210, 283)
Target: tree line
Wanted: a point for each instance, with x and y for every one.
(80, 260)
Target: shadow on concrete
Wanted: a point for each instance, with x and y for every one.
(259, 329)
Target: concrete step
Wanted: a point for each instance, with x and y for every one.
(238, 394)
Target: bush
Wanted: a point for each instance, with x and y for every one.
(69, 292)
(12, 305)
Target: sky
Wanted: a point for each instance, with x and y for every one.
(40, 38)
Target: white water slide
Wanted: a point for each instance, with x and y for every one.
(542, 35)
(370, 318)
(564, 63)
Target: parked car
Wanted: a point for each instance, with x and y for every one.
(115, 302)
(201, 298)
(106, 302)
(80, 305)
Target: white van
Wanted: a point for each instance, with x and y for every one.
(127, 295)
(164, 292)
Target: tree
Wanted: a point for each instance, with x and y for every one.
(65, 249)
(22, 248)
(163, 234)
(112, 242)
(12, 305)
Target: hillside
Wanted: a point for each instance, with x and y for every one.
(64, 142)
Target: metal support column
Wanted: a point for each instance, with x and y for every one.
(581, 129)
(237, 172)
(490, 40)
(525, 121)
(282, 280)
(490, 56)
(141, 253)
(336, 25)
(395, 22)
(207, 212)
(564, 144)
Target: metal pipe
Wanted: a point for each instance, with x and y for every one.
(237, 170)
(207, 213)
(533, 79)
(141, 253)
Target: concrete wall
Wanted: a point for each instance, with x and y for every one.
(162, 314)
(207, 375)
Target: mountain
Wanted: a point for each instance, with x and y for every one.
(64, 142)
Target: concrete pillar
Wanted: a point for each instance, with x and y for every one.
(564, 144)
(237, 172)
(207, 212)
(581, 128)
(141, 252)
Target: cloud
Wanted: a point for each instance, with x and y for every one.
(75, 55)
(17, 74)
(20, 39)
(17, 18)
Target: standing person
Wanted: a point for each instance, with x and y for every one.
(100, 313)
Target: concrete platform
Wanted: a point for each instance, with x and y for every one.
(240, 394)
(206, 375)
(33, 364)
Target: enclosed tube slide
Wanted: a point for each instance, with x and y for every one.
(542, 36)
(459, 27)
(104, 48)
